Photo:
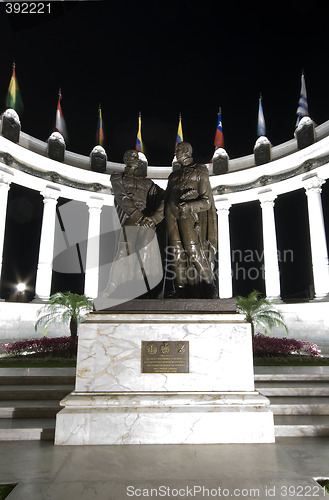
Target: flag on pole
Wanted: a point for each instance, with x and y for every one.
(100, 131)
(179, 137)
(14, 98)
(219, 136)
(60, 125)
(261, 128)
(139, 143)
(302, 109)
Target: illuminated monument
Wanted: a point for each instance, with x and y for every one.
(167, 371)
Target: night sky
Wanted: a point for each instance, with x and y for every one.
(163, 58)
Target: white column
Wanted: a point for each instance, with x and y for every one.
(271, 264)
(4, 189)
(92, 257)
(46, 250)
(318, 236)
(224, 249)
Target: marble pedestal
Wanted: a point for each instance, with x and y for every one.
(115, 403)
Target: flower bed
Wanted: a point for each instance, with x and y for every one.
(264, 346)
(66, 347)
(56, 347)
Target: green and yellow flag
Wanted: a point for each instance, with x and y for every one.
(14, 99)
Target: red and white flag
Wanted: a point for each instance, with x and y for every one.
(60, 125)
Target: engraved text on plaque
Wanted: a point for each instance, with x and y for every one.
(165, 356)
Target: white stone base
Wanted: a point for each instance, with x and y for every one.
(114, 402)
(162, 418)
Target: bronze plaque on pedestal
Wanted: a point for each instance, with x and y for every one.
(165, 356)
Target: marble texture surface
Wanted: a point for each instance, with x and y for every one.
(115, 403)
(109, 353)
(165, 425)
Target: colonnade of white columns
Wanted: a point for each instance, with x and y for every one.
(320, 263)
(46, 249)
(319, 252)
(46, 252)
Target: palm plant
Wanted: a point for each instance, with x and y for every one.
(259, 311)
(65, 307)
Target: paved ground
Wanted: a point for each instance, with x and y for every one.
(283, 470)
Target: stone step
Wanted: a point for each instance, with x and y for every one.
(29, 400)
(299, 405)
(291, 377)
(27, 429)
(291, 373)
(25, 392)
(38, 376)
(29, 409)
(294, 389)
(37, 380)
(301, 425)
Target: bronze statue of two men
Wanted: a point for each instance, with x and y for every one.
(188, 208)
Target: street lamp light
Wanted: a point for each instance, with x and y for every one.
(21, 287)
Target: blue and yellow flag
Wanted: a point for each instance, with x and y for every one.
(139, 142)
(179, 137)
(100, 130)
(14, 99)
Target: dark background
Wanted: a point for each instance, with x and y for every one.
(163, 58)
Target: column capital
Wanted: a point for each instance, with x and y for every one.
(5, 180)
(267, 196)
(223, 204)
(95, 203)
(313, 184)
(50, 193)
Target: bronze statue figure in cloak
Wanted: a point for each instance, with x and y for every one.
(139, 205)
(190, 216)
